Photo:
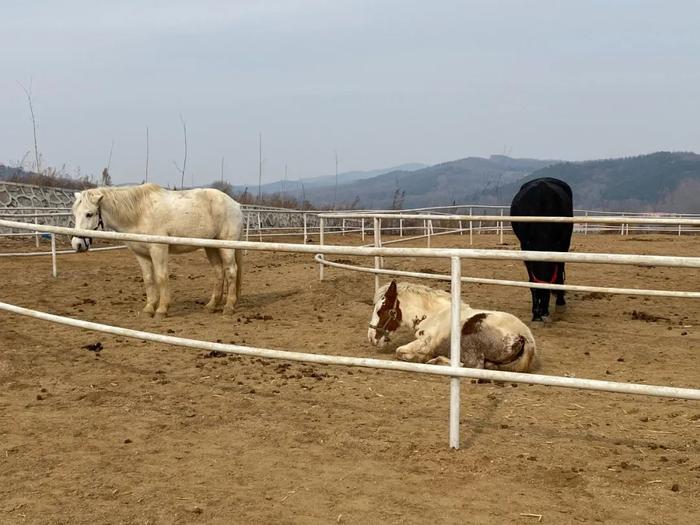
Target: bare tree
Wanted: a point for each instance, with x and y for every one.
(28, 93)
(109, 160)
(335, 193)
(146, 180)
(284, 181)
(106, 178)
(260, 163)
(184, 160)
(397, 201)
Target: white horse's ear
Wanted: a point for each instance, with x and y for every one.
(99, 199)
(76, 195)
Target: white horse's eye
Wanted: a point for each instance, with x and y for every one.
(88, 215)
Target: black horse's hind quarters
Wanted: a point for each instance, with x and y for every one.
(545, 197)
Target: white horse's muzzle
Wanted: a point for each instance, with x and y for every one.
(81, 244)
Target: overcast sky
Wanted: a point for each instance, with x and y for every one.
(382, 82)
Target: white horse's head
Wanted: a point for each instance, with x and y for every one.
(386, 317)
(87, 216)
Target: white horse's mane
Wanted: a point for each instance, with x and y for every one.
(128, 203)
(411, 288)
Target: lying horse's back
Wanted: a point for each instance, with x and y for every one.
(498, 341)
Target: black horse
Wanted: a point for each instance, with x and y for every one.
(550, 198)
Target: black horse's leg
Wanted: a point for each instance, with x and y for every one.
(536, 315)
(561, 301)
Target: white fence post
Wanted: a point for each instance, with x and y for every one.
(321, 224)
(247, 230)
(259, 227)
(585, 226)
(455, 350)
(305, 231)
(363, 229)
(429, 229)
(343, 233)
(36, 232)
(400, 227)
(377, 244)
(54, 269)
(501, 240)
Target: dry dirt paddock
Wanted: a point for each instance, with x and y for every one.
(148, 433)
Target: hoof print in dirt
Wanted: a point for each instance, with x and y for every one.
(639, 315)
(93, 347)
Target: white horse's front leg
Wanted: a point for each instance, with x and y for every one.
(232, 272)
(159, 256)
(418, 351)
(148, 281)
(217, 293)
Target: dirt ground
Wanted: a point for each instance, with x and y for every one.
(149, 433)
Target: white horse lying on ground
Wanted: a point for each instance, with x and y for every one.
(150, 209)
(490, 339)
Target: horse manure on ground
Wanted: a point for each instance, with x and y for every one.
(93, 347)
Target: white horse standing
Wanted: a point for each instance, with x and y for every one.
(150, 209)
(490, 339)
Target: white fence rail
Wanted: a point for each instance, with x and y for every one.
(454, 371)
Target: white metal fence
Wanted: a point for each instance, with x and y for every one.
(455, 255)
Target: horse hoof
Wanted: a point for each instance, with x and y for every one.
(228, 311)
(543, 321)
(160, 315)
(211, 308)
(146, 313)
(560, 308)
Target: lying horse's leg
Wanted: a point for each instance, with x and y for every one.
(418, 351)
(151, 291)
(217, 293)
(159, 256)
(231, 269)
(439, 360)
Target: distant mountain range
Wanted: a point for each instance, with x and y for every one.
(292, 186)
(430, 186)
(662, 181)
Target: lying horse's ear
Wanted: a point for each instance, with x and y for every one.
(76, 195)
(391, 292)
(99, 199)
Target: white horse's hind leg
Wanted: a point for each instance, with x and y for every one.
(151, 291)
(159, 256)
(231, 270)
(219, 282)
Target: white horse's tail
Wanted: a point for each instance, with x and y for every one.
(523, 359)
(238, 254)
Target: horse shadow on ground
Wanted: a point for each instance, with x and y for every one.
(264, 299)
(189, 307)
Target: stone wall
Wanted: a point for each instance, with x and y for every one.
(14, 196)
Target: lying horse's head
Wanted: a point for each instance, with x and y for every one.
(87, 216)
(386, 317)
